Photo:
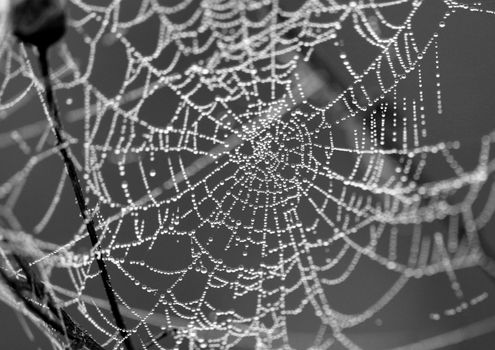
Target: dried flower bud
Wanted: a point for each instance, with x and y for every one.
(38, 22)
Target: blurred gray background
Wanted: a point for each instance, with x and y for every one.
(467, 51)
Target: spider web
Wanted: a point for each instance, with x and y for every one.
(237, 181)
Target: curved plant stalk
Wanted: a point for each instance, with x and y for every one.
(58, 130)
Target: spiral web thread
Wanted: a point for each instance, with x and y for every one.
(267, 184)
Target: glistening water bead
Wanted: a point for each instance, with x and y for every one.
(269, 186)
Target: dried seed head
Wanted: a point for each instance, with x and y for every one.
(38, 22)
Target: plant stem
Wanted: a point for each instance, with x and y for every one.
(58, 130)
(36, 296)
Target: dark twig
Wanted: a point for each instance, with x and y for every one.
(76, 186)
(33, 293)
(41, 24)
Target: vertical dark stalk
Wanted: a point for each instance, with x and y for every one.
(58, 130)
